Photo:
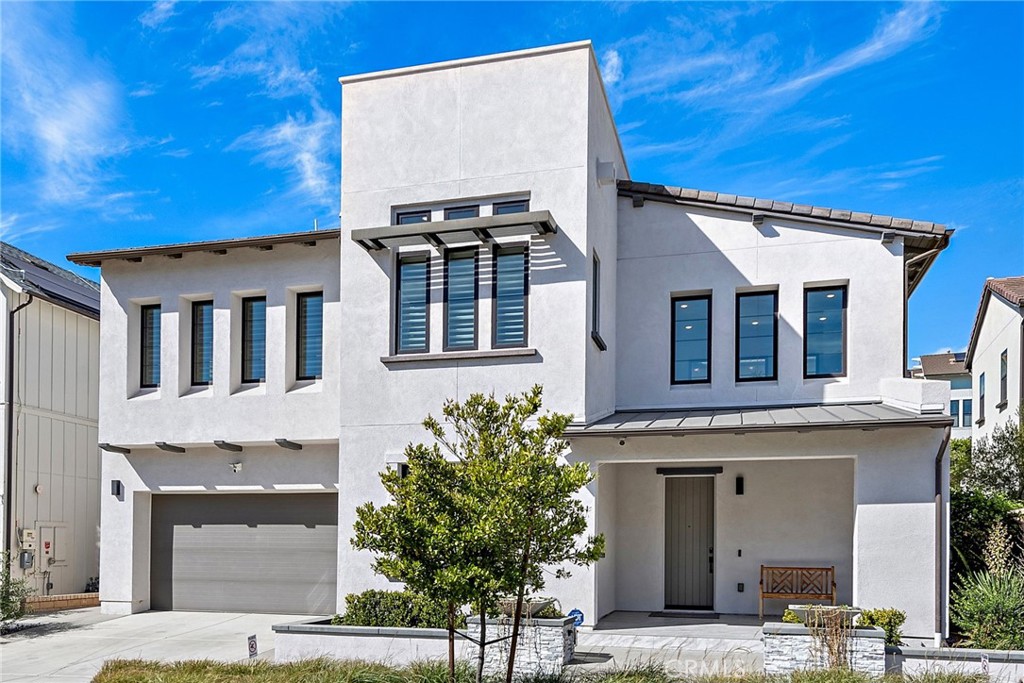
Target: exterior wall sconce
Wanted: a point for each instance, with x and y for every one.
(236, 467)
(739, 486)
(116, 488)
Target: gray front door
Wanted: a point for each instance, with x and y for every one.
(689, 542)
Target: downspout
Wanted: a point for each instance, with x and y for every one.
(940, 539)
(9, 430)
(906, 300)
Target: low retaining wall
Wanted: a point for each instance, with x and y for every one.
(1000, 665)
(791, 647)
(56, 603)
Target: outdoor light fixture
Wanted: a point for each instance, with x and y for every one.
(236, 467)
(116, 487)
(739, 485)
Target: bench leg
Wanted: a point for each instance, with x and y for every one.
(760, 607)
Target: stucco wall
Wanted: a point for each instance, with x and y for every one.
(1000, 330)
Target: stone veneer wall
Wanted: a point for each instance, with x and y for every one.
(545, 645)
(790, 647)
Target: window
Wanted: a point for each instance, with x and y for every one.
(254, 339)
(412, 311)
(412, 217)
(1002, 381)
(202, 343)
(458, 212)
(967, 412)
(310, 326)
(981, 399)
(510, 291)
(150, 346)
(691, 339)
(825, 332)
(460, 300)
(595, 305)
(954, 412)
(756, 336)
(518, 206)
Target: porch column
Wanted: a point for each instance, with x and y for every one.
(125, 525)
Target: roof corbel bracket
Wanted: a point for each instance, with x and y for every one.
(170, 448)
(227, 446)
(888, 237)
(757, 219)
(638, 201)
(110, 448)
(218, 252)
(134, 259)
(290, 445)
(174, 256)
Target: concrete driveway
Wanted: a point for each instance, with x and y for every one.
(70, 647)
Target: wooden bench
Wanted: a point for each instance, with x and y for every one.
(795, 583)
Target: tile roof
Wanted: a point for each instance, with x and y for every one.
(1009, 288)
(49, 281)
(940, 364)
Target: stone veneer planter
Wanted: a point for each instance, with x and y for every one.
(545, 645)
(791, 647)
(1000, 665)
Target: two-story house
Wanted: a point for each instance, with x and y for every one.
(734, 365)
(951, 367)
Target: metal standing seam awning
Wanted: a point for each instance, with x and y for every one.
(440, 234)
(738, 420)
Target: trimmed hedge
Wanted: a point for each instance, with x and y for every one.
(890, 620)
(394, 609)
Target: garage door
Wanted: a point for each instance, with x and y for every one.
(273, 553)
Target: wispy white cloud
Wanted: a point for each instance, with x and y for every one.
(14, 229)
(611, 67)
(143, 90)
(158, 14)
(177, 153)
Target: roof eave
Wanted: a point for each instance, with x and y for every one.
(934, 422)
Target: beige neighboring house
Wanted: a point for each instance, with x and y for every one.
(994, 355)
(950, 367)
(50, 390)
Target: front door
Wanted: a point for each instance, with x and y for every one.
(689, 542)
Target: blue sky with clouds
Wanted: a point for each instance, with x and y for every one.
(142, 123)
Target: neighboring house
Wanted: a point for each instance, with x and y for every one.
(50, 389)
(995, 353)
(734, 365)
(950, 367)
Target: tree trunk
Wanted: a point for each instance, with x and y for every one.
(483, 646)
(451, 642)
(518, 614)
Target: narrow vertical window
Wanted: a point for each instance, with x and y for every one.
(202, 343)
(981, 398)
(413, 298)
(460, 300)
(510, 291)
(756, 335)
(691, 340)
(254, 339)
(150, 346)
(825, 332)
(968, 415)
(595, 299)
(310, 327)
(954, 412)
(1002, 381)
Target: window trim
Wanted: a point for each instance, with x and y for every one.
(672, 336)
(496, 251)
(595, 302)
(299, 296)
(775, 337)
(449, 209)
(448, 253)
(417, 212)
(245, 320)
(142, 345)
(955, 414)
(968, 415)
(981, 400)
(496, 206)
(423, 257)
(196, 305)
(808, 290)
(1003, 372)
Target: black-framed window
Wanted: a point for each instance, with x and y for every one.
(825, 332)
(509, 305)
(757, 338)
(309, 361)
(954, 412)
(412, 217)
(150, 346)
(691, 339)
(517, 206)
(1002, 381)
(254, 339)
(413, 311)
(595, 297)
(202, 343)
(981, 398)
(968, 413)
(457, 212)
(460, 299)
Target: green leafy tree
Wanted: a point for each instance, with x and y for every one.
(959, 463)
(997, 462)
(12, 593)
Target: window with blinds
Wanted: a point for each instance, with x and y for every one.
(202, 343)
(460, 300)
(510, 291)
(413, 314)
(150, 346)
(254, 339)
(310, 329)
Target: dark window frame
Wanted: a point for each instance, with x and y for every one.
(196, 307)
(672, 352)
(496, 207)
(399, 261)
(246, 351)
(954, 411)
(448, 211)
(497, 251)
(595, 303)
(775, 337)
(399, 215)
(143, 310)
(1003, 372)
(808, 290)
(967, 407)
(448, 254)
(299, 297)
(981, 399)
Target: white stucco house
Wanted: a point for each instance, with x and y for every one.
(735, 365)
(950, 367)
(995, 354)
(49, 381)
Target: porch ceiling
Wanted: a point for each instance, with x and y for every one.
(735, 420)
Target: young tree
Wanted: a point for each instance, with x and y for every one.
(997, 463)
(959, 463)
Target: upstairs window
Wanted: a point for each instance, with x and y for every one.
(757, 339)
(510, 291)
(595, 304)
(254, 339)
(954, 412)
(981, 399)
(455, 213)
(825, 332)
(1002, 381)
(412, 309)
(968, 416)
(310, 327)
(412, 217)
(150, 346)
(691, 339)
(460, 300)
(202, 343)
(518, 206)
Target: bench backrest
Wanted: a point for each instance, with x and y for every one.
(798, 580)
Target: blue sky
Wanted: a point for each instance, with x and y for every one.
(139, 123)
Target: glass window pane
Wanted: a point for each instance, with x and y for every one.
(502, 208)
(595, 303)
(968, 412)
(756, 333)
(254, 339)
(202, 342)
(150, 346)
(981, 397)
(460, 325)
(825, 331)
(510, 298)
(310, 328)
(691, 334)
(954, 412)
(461, 212)
(413, 217)
(412, 304)
(1002, 377)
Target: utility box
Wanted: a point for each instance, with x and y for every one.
(28, 539)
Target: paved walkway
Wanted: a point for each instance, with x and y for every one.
(70, 647)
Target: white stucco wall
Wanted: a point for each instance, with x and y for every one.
(1000, 330)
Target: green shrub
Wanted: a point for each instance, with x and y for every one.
(394, 609)
(550, 612)
(989, 610)
(891, 621)
(959, 463)
(12, 593)
(972, 516)
(791, 617)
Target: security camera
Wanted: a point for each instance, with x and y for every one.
(236, 467)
